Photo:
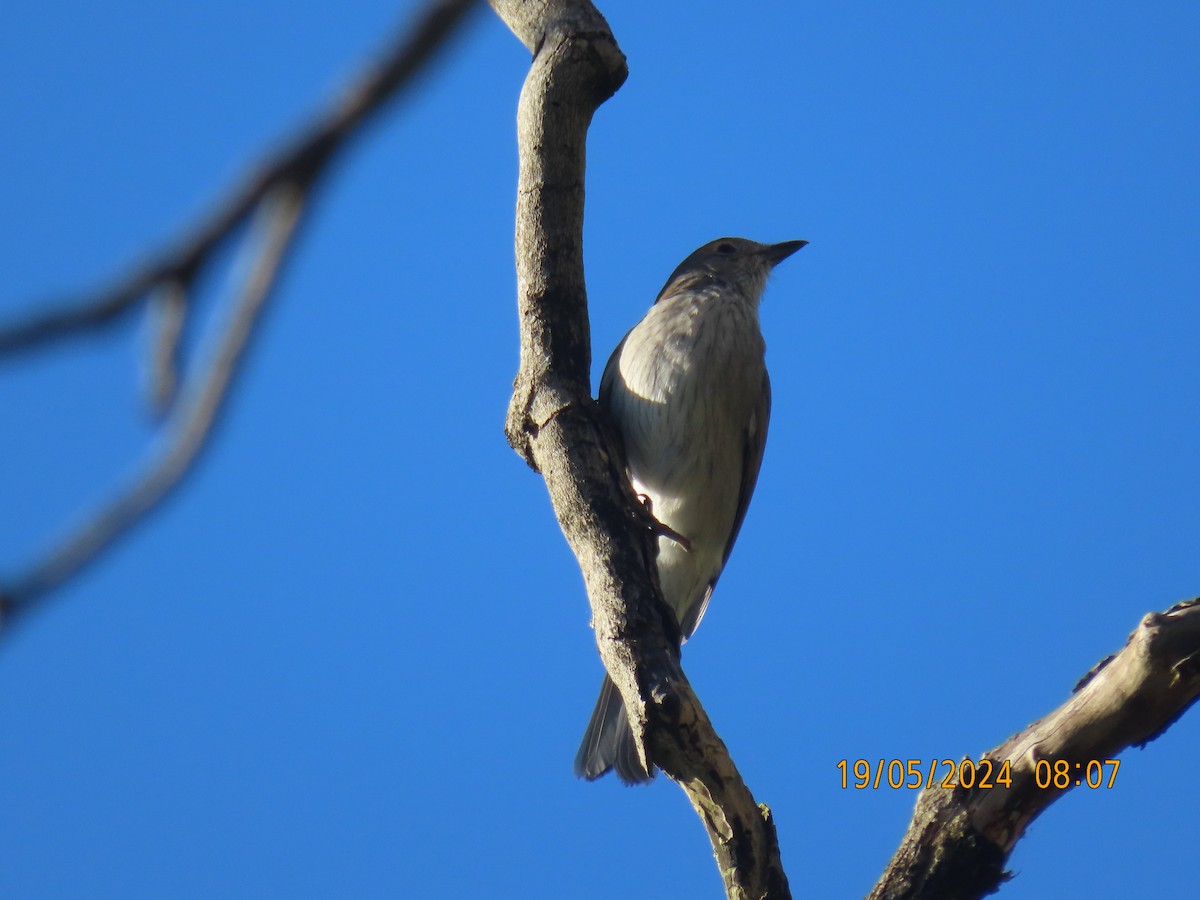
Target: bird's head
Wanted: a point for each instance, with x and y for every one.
(731, 261)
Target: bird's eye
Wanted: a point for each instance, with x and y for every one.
(726, 248)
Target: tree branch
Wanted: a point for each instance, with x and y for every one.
(188, 430)
(276, 194)
(959, 839)
(556, 426)
(299, 162)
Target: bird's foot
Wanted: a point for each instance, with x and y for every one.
(660, 529)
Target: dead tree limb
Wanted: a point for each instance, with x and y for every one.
(960, 838)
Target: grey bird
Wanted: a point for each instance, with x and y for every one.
(687, 388)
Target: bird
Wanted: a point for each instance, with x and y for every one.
(688, 391)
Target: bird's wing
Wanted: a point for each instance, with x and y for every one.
(754, 443)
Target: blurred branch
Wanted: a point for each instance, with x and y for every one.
(556, 426)
(190, 427)
(299, 163)
(276, 194)
(960, 839)
(170, 305)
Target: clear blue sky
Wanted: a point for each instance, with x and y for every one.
(352, 656)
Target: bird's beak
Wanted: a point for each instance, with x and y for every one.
(777, 253)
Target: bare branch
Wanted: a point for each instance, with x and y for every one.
(188, 429)
(555, 425)
(169, 307)
(959, 839)
(275, 195)
(300, 161)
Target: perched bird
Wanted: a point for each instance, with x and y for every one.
(688, 390)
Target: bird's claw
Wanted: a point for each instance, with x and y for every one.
(658, 528)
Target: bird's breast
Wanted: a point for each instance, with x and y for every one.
(688, 381)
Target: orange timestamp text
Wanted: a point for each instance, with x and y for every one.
(985, 774)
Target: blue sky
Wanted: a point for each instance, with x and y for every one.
(352, 656)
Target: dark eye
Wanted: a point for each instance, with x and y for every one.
(726, 248)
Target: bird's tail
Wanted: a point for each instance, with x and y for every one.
(608, 741)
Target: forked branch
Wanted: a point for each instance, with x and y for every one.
(274, 197)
